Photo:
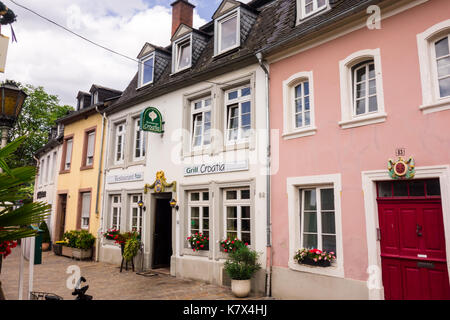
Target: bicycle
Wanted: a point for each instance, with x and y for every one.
(79, 292)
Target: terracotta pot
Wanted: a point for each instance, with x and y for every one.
(241, 288)
(45, 246)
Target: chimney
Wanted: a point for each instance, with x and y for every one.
(182, 12)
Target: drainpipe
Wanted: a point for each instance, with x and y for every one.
(98, 183)
(259, 56)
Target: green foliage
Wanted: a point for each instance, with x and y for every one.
(131, 248)
(80, 239)
(15, 215)
(45, 232)
(38, 115)
(242, 264)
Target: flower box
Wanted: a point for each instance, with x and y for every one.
(66, 251)
(82, 254)
(319, 263)
(314, 257)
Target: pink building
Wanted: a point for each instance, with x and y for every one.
(346, 98)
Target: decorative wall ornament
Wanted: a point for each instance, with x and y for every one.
(160, 184)
(402, 169)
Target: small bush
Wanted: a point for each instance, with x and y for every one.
(45, 232)
(242, 264)
(79, 239)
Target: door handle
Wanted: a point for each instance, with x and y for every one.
(419, 230)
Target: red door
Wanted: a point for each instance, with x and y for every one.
(413, 253)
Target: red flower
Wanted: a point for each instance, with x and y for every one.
(201, 246)
(226, 250)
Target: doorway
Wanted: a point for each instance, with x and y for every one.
(412, 240)
(162, 235)
(61, 217)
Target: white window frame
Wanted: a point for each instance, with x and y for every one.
(301, 6)
(202, 110)
(140, 213)
(365, 65)
(42, 172)
(117, 206)
(218, 31)
(116, 140)
(239, 101)
(294, 185)
(68, 159)
(142, 140)
(84, 214)
(290, 131)
(239, 203)
(431, 100)
(348, 117)
(201, 204)
(141, 69)
(90, 152)
(47, 170)
(95, 98)
(176, 50)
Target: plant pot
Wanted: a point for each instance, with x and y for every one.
(57, 249)
(319, 263)
(66, 251)
(45, 246)
(241, 288)
(82, 254)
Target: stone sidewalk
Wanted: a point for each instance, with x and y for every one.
(106, 282)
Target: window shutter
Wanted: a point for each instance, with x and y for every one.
(68, 153)
(90, 146)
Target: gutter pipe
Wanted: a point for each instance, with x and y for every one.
(259, 56)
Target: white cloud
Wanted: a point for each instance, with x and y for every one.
(48, 56)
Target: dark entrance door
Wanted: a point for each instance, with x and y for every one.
(413, 255)
(162, 236)
(61, 220)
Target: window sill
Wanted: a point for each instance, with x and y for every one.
(202, 253)
(177, 72)
(144, 86)
(226, 52)
(441, 105)
(86, 167)
(363, 120)
(236, 146)
(332, 271)
(300, 133)
(64, 171)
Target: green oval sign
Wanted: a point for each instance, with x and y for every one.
(151, 120)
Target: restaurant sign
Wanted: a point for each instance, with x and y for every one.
(217, 167)
(152, 121)
(129, 177)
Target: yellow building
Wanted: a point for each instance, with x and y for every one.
(81, 168)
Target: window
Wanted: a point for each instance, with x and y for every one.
(47, 170)
(238, 114)
(146, 67)
(442, 53)
(81, 103)
(362, 98)
(67, 154)
(89, 148)
(183, 54)
(228, 33)
(116, 211)
(318, 219)
(302, 116)
(201, 123)
(85, 209)
(198, 203)
(140, 141)
(95, 98)
(364, 89)
(307, 8)
(42, 172)
(237, 214)
(434, 59)
(53, 167)
(119, 143)
(136, 213)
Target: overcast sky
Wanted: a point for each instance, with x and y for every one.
(45, 55)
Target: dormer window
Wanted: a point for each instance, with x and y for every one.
(310, 7)
(80, 103)
(146, 68)
(94, 98)
(227, 32)
(182, 53)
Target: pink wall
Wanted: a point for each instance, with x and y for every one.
(350, 151)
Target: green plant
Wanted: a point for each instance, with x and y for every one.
(314, 257)
(229, 245)
(198, 241)
(79, 239)
(131, 248)
(242, 264)
(45, 232)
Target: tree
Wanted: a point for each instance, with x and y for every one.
(38, 115)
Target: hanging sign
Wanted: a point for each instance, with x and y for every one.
(160, 184)
(218, 167)
(402, 169)
(3, 52)
(152, 121)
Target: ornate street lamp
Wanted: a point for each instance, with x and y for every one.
(12, 99)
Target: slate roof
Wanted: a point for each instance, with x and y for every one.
(273, 29)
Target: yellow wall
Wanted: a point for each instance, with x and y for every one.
(78, 179)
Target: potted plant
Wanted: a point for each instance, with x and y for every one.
(240, 267)
(314, 257)
(229, 245)
(45, 236)
(198, 241)
(78, 244)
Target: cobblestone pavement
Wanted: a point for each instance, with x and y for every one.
(106, 282)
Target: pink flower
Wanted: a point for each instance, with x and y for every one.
(315, 259)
